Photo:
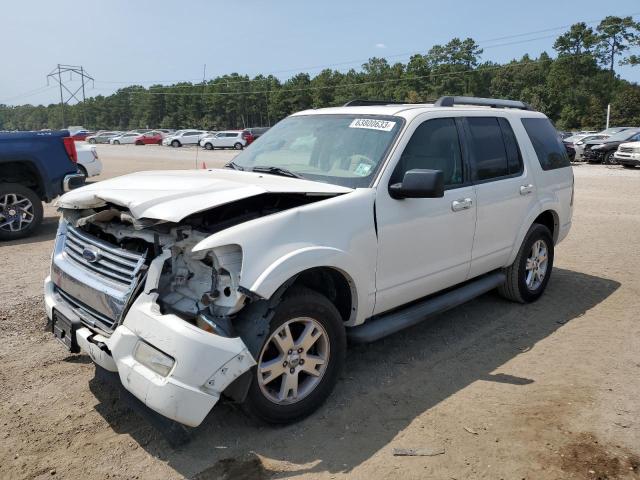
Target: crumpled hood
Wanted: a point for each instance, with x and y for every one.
(171, 195)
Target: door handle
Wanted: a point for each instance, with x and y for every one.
(461, 204)
(526, 189)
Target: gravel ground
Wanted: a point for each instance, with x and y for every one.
(492, 389)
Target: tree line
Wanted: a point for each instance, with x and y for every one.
(573, 88)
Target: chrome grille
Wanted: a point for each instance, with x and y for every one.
(116, 264)
(87, 314)
(626, 149)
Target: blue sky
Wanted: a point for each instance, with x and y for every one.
(121, 42)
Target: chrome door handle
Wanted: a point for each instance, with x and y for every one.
(526, 189)
(461, 204)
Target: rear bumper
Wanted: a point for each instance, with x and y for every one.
(72, 181)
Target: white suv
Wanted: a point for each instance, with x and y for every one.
(227, 139)
(341, 223)
(183, 137)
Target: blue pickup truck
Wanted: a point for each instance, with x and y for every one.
(35, 167)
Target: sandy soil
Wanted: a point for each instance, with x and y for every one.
(542, 391)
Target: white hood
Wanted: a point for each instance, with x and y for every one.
(172, 195)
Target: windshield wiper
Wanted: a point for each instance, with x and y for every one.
(276, 171)
(233, 165)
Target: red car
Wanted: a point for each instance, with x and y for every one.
(149, 138)
(81, 135)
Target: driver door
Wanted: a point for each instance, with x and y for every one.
(424, 244)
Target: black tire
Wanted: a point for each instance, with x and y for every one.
(301, 302)
(208, 146)
(609, 159)
(116, 142)
(175, 144)
(83, 171)
(92, 140)
(626, 165)
(139, 143)
(16, 188)
(238, 146)
(515, 287)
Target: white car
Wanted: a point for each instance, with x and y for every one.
(183, 137)
(124, 139)
(578, 141)
(349, 222)
(89, 163)
(628, 154)
(226, 139)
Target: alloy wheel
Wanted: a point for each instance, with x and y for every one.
(16, 212)
(536, 267)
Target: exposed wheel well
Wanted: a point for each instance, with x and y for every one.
(333, 284)
(23, 173)
(549, 219)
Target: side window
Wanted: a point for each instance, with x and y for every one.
(434, 145)
(514, 157)
(487, 148)
(544, 137)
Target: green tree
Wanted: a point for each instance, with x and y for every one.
(580, 39)
(616, 35)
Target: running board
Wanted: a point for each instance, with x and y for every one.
(380, 326)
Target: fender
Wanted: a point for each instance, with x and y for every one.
(540, 206)
(337, 232)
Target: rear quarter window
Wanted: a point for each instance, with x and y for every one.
(546, 142)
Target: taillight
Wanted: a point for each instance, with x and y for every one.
(70, 147)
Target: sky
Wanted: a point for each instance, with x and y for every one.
(124, 42)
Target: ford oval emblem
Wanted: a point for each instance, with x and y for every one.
(91, 254)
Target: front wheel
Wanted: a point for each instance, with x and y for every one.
(528, 275)
(609, 159)
(238, 146)
(20, 211)
(92, 140)
(300, 361)
(208, 146)
(139, 143)
(175, 144)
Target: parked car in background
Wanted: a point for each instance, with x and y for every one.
(89, 163)
(35, 167)
(628, 154)
(102, 137)
(257, 132)
(602, 151)
(81, 135)
(149, 138)
(125, 138)
(571, 152)
(183, 137)
(165, 131)
(613, 130)
(577, 143)
(226, 139)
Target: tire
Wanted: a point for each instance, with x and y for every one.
(116, 142)
(626, 165)
(238, 146)
(516, 287)
(609, 159)
(298, 306)
(139, 143)
(83, 171)
(208, 146)
(92, 140)
(159, 142)
(175, 144)
(14, 194)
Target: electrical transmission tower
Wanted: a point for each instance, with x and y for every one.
(56, 74)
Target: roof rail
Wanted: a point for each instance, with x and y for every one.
(364, 103)
(481, 102)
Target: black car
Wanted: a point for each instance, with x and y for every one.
(601, 151)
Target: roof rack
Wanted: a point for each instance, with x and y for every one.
(365, 103)
(481, 102)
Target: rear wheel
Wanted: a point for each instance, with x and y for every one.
(116, 142)
(528, 275)
(20, 211)
(83, 171)
(238, 146)
(208, 146)
(299, 363)
(175, 144)
(92, 140)
(609, 159)
(139, 142)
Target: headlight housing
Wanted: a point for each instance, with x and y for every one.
(153, 359)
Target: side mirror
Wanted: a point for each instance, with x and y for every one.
(419, 183)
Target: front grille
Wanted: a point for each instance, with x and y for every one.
(88, 315)
(114, 263)
(626, 149)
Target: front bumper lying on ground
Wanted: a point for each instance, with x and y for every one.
(205, 363)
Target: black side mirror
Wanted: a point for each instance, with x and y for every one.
(419, 183)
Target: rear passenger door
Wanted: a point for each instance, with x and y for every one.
(504, 190)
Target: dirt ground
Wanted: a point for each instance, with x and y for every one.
(492, 389)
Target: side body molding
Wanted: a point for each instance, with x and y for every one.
(337, 232)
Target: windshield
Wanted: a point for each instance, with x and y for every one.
(340, 149)
(622, 136)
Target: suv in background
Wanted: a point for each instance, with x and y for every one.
(257, 132)
(226, 139)
(183, 137)
(628, 154)
(342, 223)
(602, 151)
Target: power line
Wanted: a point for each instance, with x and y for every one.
(56, 75)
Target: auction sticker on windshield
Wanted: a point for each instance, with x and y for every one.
(373, 124)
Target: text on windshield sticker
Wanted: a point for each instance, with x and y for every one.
(373, 124)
